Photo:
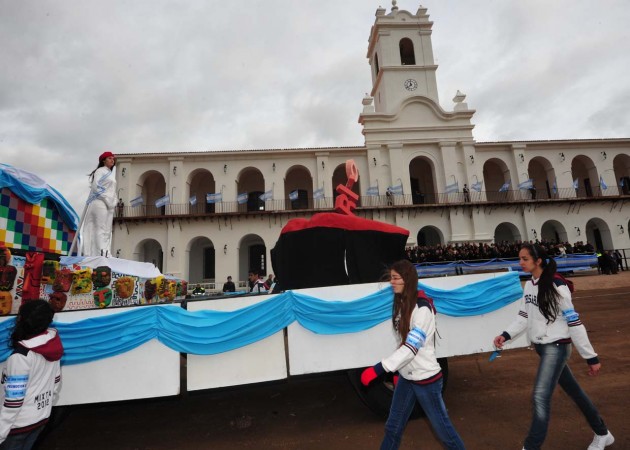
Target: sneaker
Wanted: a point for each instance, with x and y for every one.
(600, 442)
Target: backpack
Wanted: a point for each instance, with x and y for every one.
(569, 283)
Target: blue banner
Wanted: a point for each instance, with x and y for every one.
(241, 198)
(318, 193)
(214, 198)
(163, 201)
(293, 195)
(136, 201)
(211, 332)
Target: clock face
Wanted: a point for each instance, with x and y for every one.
(411, 84)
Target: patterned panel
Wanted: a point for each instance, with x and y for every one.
(32, 227)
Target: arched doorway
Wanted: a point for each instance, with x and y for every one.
(153, 187)
(543, 177)
(598, 234)
(201, 183)
(201, 260)
(429, 236)
(150, 250)
(495, 176)
(584, 171)
(553, 231)
(252, 183)
(422, 180)
(299, 185)
(506, 232)
(252, 255)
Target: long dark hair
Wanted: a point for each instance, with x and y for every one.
(32, 319)
(101, 163)
(405, 303)
(548, 297)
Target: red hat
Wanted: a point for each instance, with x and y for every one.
(105, 155)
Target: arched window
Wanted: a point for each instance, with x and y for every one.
(407, 55)
(376, 63)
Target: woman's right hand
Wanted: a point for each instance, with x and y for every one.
(499, 341)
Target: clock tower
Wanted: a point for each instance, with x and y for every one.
(401, 57)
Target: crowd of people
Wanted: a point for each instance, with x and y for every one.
(465, 251)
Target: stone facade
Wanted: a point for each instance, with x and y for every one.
(571, 190)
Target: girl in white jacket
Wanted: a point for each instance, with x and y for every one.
(420, 374)
(552, 325)
(31, 378)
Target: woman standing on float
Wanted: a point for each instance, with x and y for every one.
(552, 325)
(420, 373)
(96, 233)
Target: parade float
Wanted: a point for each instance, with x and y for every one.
(37, 228)
(130, 344)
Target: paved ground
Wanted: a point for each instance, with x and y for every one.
(488, 402)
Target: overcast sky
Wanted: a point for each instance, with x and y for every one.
(80, 77)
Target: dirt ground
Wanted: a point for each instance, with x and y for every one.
(489, 403)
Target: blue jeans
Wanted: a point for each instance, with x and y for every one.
(430, 398)
(22, 441)
(553, 370)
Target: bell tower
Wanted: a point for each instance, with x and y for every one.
(401, 57)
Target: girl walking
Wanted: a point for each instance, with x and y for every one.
(31, 378)
(551, 323)
(420, 373)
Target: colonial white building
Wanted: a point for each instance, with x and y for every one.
(428, 155)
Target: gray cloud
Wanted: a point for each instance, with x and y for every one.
(80, 77)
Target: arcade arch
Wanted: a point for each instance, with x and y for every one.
(201, 182)
(422, 180)
(251, 181)
(507, 232)
(598, 234)
(553, 231)
(153, 187)
(543, 176)
(252, 255)
(201, 259)
(150, 250)
(430, 235)
(298, 178)
(495, 175)
(584, 171)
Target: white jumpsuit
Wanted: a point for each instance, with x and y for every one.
(96, 234)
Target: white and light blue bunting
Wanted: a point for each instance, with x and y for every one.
(211, 332)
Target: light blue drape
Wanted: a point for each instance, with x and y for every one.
(211, 332)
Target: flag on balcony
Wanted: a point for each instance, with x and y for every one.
(293, 195)
(241, 198)
(527, 184)
(451, 188)
(396, 190)
(163, 201)
(372, 191)
(193, 200)
(575, 183)
(214, 198)
(318, 193)
(476, 186)
(267, 195)
(602, 184)
(554, 188)
(622, 183)
(136, 201)
(505, 186)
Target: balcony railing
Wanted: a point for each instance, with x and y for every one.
(377, 201)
